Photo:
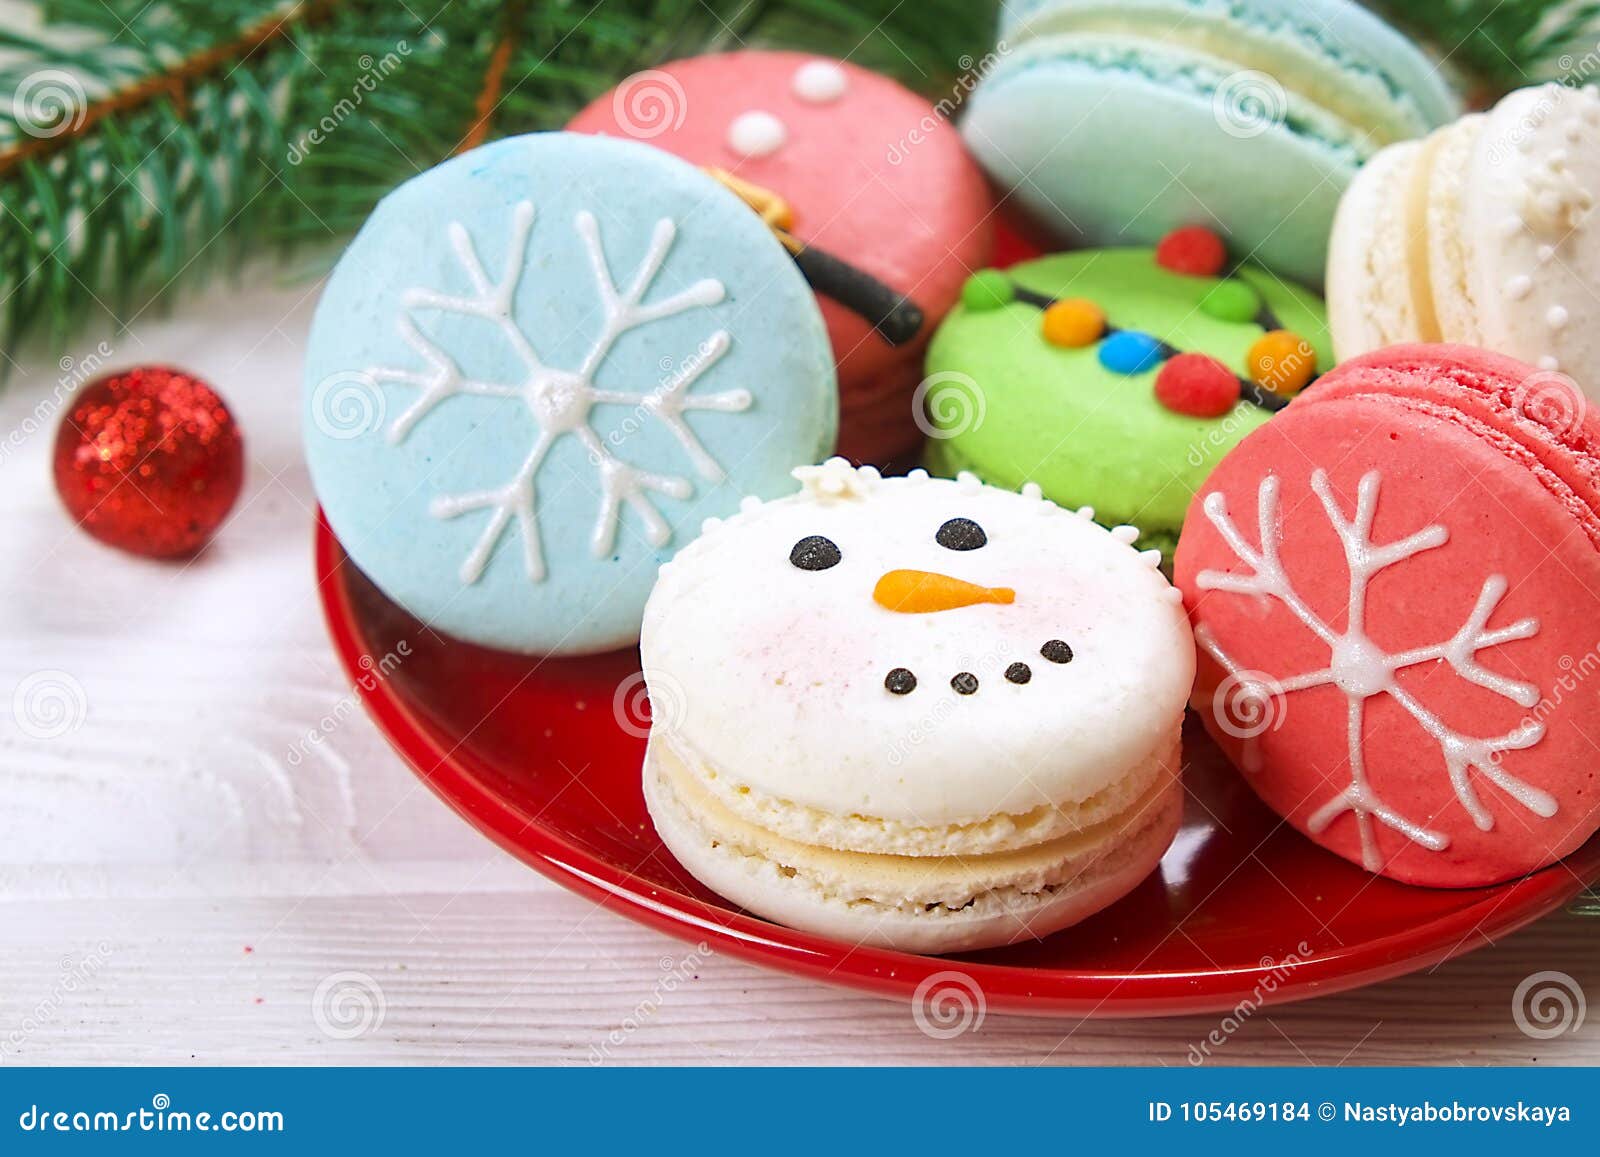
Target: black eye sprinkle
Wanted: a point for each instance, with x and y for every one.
(965, 683)
(1056, 651)
(1018, 673)
(961, 534)
(813, 552)
(900, 681)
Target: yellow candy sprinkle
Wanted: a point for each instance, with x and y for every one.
(1074, 323)
(1282, 362)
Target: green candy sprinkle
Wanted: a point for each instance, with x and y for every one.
(988, 289)
(1231, 301)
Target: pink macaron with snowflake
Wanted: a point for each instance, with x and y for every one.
(870, 173)
(1395, 589)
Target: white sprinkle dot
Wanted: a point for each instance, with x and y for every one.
(1558, 317)
(1549, 362)
(1519, 287)
(1546, 252)
(820, 82)
(756, 134)
(1511, 226)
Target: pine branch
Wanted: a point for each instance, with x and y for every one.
(1507, 44)
(148, 145)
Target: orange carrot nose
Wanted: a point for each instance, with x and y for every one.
(917, 592)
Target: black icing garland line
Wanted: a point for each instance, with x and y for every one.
(1249, 390)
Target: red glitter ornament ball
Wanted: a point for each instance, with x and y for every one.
(149, 460)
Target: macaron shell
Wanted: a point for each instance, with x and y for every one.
(1319, 44)
(1500, 521)
(1089, 436)
(1534, 177)
(1535, 418)
(874, 176)
(1103, 169)
(778, 673)
(387, 324)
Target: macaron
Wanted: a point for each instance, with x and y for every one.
(1483, 234)
(1116, 378)
(538, 368)
(1117, 120)
(865, 170)
(916, 713)
(1395, 589)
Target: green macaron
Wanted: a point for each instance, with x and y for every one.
(1066, 372)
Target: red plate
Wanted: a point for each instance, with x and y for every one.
(543, 756)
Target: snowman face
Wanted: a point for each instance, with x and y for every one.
(918, 623)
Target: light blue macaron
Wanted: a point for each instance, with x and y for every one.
(1117, 120)
(539, 368)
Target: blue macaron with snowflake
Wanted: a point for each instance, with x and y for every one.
(539, 368)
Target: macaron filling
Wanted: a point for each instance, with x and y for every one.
(925, 885)
(855, 832)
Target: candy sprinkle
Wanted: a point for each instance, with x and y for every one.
(1282, 362)
(1074, 323)
(1231, 300)
(1194, 251)
(1197, 385)
(987, 289)
(1129, 351)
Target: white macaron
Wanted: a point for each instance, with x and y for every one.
(916, 713)
(1482, 234)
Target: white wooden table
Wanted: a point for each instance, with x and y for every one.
(176, 885)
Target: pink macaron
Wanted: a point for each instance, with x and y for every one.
(873, 174)
(1395, 589)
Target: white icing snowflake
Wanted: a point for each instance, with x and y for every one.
(1362, 669)
(560, 401)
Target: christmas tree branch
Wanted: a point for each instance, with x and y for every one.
(151, 144)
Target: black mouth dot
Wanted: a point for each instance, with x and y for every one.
(900, 681)
(1019, 673)
(965, 683)
(1056, 651)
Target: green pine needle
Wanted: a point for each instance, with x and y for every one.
(118, 183)
(1507, 44)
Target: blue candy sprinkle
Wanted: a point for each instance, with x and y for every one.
(1130, 352)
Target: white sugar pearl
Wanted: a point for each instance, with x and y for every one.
(820, 82)
(756, 134)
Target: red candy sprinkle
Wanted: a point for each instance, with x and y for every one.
(1194, 251)
(1197, 385)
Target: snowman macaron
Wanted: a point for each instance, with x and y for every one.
(917, 713)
